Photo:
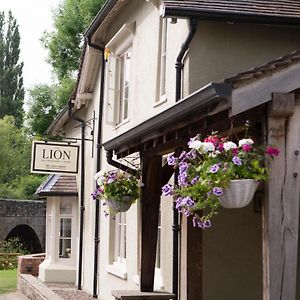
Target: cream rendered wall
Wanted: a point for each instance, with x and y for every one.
(220, 50)
(145, 63)
(72, 129)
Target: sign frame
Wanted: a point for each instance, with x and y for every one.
(35, 169)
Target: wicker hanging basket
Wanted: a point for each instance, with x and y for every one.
(239, 193)
(120, 206)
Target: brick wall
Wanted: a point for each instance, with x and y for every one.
(29, 264)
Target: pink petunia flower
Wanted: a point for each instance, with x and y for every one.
(272, 151)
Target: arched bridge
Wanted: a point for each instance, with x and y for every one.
(26, 220)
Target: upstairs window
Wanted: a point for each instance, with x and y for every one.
(118, 74)
(124, 82)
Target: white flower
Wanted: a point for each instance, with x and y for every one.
(99, 174)
(207, 147)
(195, 144)
(245, 142)
(214, 154)
(101, 180)
(229, 145)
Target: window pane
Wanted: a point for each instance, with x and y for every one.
(65, 227)
(65, 208)
(65, 248)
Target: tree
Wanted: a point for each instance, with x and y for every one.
(15, 152)
(64, 43)
(45, 101)
(11, 80)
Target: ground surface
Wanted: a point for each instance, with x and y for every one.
(8, 281)
(68, 291)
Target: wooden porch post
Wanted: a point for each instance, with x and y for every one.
(281, 208)
(150, 200)
(191, 261)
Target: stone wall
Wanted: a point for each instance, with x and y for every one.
(23, 212)
(34, 289)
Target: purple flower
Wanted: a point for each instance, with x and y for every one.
(178, 204)
(191, 154)
(217, 191)
(182, 156)
(187, 201)
(183, 166)
(187, 213)
(194, 180)
(237, 161)
(206, 224)
(182, 179)
(215, 168)
(172, 160)
(167, 190)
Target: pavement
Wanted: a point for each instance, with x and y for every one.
(13, 296)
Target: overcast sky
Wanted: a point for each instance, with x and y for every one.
(33, 17)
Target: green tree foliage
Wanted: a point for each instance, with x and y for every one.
(45, 102)
(15, 152)
(11, 80)
(64, 43)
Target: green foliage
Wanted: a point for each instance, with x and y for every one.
(207, 169)
(64, 43)
(45, 101)
(8, 281)
(13, 245)
(11, 80)
(116, 185)
(15, 152)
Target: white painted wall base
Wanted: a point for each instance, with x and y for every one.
(50, 272)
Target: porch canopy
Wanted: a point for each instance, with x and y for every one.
(213, 104)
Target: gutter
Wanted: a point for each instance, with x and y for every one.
(209, 94)
(101, 15)
(181, 12)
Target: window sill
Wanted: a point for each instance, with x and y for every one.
(158, 280)
(122, 123)
(162, 100)
(118, 270)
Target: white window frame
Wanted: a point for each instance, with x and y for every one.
(123, 107)
(60, 216)
(119, 45)
(161, 94)
(118, 266)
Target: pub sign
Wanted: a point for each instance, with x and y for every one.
(54, 158)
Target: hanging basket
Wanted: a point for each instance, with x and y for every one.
(120, 205)
(239, 193)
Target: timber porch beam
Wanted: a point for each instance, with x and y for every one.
(150, 201)
(281, 208)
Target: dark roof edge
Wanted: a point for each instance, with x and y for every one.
(52, 194)
(227, 16)
(101, 15)
(205, 96)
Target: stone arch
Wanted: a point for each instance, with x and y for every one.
(28, 237)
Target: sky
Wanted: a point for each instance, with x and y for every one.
(33, 18)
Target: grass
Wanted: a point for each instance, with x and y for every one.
(8, 280)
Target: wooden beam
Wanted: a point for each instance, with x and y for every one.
(191, 261)
(260, 91)
(150, 201)
(281, 208)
